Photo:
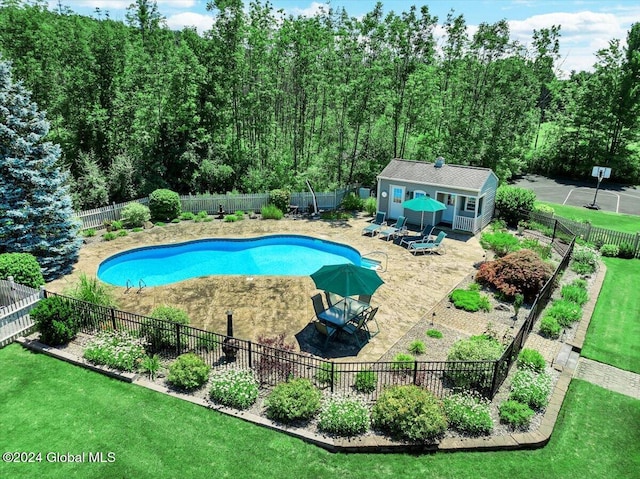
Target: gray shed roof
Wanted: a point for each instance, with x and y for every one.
(421, 172)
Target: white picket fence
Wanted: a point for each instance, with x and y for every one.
(229, 202)
(16, 302)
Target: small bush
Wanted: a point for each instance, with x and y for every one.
(235, 388)
(115, 349)
(550, 328)
(417, 348)
(230, 218)
(122, 233)
(434, 333)
(89, 233)
(207, 342)
(164, 205)
(544, 229)
(468, 413)
(109, 236)
(23, 267)
(532, 360)
(137, 230)
(366, 381)
(545, 209)
(151, 365)
(56, 320)
(584, 260)
(239, 214)
(575, 294)
(170, 313)
(275, 365)
(271, 212)
(534, 245)
(135, 215)
(188, 372)
(352, 202)
(626, 251)
(610, 250)
(175, 221)
(403, 362)
(344, 416)
(281, 199)
(516, 414)
(531, 388)
(202, 214)
(475, 348)
(370, 205)
(293, 400)
(410, 412)
(162, 336)
(160, 224)
(187, 216)
(511, 201)
(501, 243)
(116, 225)
(565, 312)
(324, 376)
(93, 291)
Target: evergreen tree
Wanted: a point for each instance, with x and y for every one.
(35, 207)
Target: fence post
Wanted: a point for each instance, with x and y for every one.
(113, 211)
(43, 292)
(588, 233)
(331, 380)
(178, 345)
(250, 358)
(636, 244)
(555, 225)
(495, 383)
(415, 371)
(113, 319)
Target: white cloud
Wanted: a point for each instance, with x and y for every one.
(190, 19)
(311, 11)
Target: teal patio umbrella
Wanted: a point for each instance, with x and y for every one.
(424, 203)
(347, 279)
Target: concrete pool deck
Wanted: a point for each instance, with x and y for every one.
(272, 305)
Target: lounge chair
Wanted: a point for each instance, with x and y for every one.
(396, 229)
(425, 233)
(428, 245)
(378, 222)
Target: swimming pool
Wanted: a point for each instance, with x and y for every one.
(280, 255)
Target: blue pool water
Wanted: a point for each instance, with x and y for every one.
(281, 255)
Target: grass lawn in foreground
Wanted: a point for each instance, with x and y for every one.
(49, 405)
(614, 329)
(601, 219)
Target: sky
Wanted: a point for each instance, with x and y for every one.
(586, 25)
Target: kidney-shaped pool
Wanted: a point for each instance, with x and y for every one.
(281, 255)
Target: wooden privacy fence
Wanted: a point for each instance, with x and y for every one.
(229, 202)
(16, 301)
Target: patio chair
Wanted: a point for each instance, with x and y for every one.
(356, 326)
(318, 304)
(365, 298)
(394, 230)
(428, 245)
(378, 222)
(325, 330)
(332, 298)
(371, 320)
(425, 233)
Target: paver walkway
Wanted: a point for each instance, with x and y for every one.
(608, 377)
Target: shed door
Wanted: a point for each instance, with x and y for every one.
(396, 197)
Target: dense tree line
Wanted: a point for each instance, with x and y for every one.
(263, 100)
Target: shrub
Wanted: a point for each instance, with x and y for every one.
(136, 230)
(293, 400)
(230, 218)
(23, 267)
(344, 416)
(475, 348)
(175, 221)
(188, 371)
(89, 233)
(610, 250)
(160, 335)
(135, 215)
(465, 299)
(511, 201)
(109, 236)
(417, 347)
(532, 360)
(352, 202)
(187, 215)
(93, 291)
(545, 209)
(115, 349)
(164, 205)
(544, 229)
(239, 214)
(370, 205)
(500, 242)
(207, 342)
(56, 320)
(409, 412)
(170, 313)
(565, 312)
(160, 224)
(534, 245)
(280, 199)
(271, 212)
(275, 364)
(531, 388)
(324, 375)
(516, 414)
(550, 328)
(498, 225)
(626, 251)
(575, 294)
(366, 381)
(468, 413)
(403, 362)
(434, 333)
(116, 225)
(520, 272)
(151, 364)
(122, 233)
(235, 388)
(584, 260)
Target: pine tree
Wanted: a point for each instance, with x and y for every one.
(36, 215)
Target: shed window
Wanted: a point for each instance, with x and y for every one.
(470, 204)
(419, 193)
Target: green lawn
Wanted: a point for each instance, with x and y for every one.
(602, 219)
(49, 405)
(614, 330)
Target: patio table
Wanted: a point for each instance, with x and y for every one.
(343, 311)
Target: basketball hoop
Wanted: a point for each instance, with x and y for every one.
(599, 172)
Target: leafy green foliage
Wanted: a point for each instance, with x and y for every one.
(409, 412)
(89, 233)
(109, 236)
(434, 333)
(549, 327)
(516, 414)
(92, 290)
(565, 312)
(584, 260)
(352, 202)
(469, 300)
(151, 364)
(115, 225)
(164, 205)
(170, 313)
(534, 245)
(235, 388)
(271, 212)
(366, 381)
(188, 372)
(56, 320)
(280, 199)
(187, 215)
(500, 242)
(230, 218)
(293, 400)
(23, 267)
(115, 349)
(327, 374)
(417, 347)
(122, 233)
(403, 362)
(531, 359)
(344, 416)
(370, 205)
(610, 250)
(162, 336)
(135, 215)
(531, 388)
(575, 293)
(475, 348)
(468, 413)
(511, 200)
(520, 272)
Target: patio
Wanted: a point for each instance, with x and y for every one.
(282, 305)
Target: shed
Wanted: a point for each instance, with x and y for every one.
(467, 191)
